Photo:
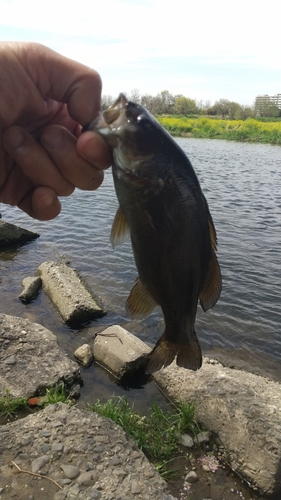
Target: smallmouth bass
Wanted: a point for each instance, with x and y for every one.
(173, 237)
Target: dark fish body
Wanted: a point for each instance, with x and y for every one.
(172, 233)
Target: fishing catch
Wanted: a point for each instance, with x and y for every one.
(173, 237)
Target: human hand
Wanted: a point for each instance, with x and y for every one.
(45, 98)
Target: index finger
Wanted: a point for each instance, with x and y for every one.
(60, 78)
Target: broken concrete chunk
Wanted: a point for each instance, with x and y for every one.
(84, 354)
(68, 293)
(31, 286)
(118, 349)
(11, 235)
(32, 360)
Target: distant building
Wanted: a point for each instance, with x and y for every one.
(266, 105)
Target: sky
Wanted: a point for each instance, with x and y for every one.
(203, 49)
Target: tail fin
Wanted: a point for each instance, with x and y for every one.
(188, 355)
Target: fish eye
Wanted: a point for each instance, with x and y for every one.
(144, 122)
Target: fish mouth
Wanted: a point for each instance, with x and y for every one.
(119, 126)
(115, 114)
(113, 122)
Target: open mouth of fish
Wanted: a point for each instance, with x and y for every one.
(111, 122)
(121, 125)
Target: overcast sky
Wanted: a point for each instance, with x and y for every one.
(203, 49)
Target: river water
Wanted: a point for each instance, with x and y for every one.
(242, 183)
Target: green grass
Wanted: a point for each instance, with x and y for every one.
(156, 434)
(9, 406)
(56, 394)
(250, 130)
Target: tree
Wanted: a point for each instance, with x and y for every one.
(106, 101)
(135, 96)
(185, 106)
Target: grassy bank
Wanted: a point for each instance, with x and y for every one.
(249, 130)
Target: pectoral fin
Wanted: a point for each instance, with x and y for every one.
(139, 303)
(120, 231)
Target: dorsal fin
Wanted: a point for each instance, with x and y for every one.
(120, 231)
(139, 303)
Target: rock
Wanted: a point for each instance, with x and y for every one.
(118, 349)
(191, 477)
(11, 360)
(136, 478)
(206, 468)
(135, 487)
(203, 437)
(84, 354)
(11, 235)
(88, 478)
(70, 471)
(186, 440)
(68, 293)
(39, 463)
(236, 405)
(31, 286)
(75, 392)
(32, 360)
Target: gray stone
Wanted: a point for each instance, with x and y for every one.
(203, 437)
(191, 477)
(44, 365)
(135, 478)
(31, 286)
(84, 354)
(96, 495)
(70, 471)
(117, 349)
(68, 293)
(39, 463)
(234, 404)
(135, 487)
(11, 235)
(186, 440)
(88, 478)
(11, 360)
(75, 391)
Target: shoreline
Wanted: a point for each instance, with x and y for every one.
(246, 131)
(237, 407)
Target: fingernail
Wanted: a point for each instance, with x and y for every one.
(47, 200)
(14, 137)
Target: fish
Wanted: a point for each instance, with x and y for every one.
(163, 210)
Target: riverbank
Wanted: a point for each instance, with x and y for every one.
(241, 409)
(249, 130)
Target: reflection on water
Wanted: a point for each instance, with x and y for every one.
(242, 183)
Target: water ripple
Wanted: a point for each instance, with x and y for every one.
(242, 183)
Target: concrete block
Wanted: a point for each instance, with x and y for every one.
(68, 293)
(117, 349)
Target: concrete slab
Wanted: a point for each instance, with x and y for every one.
(69, 294)
(31, 359)
(243, 409)
(117, 349)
